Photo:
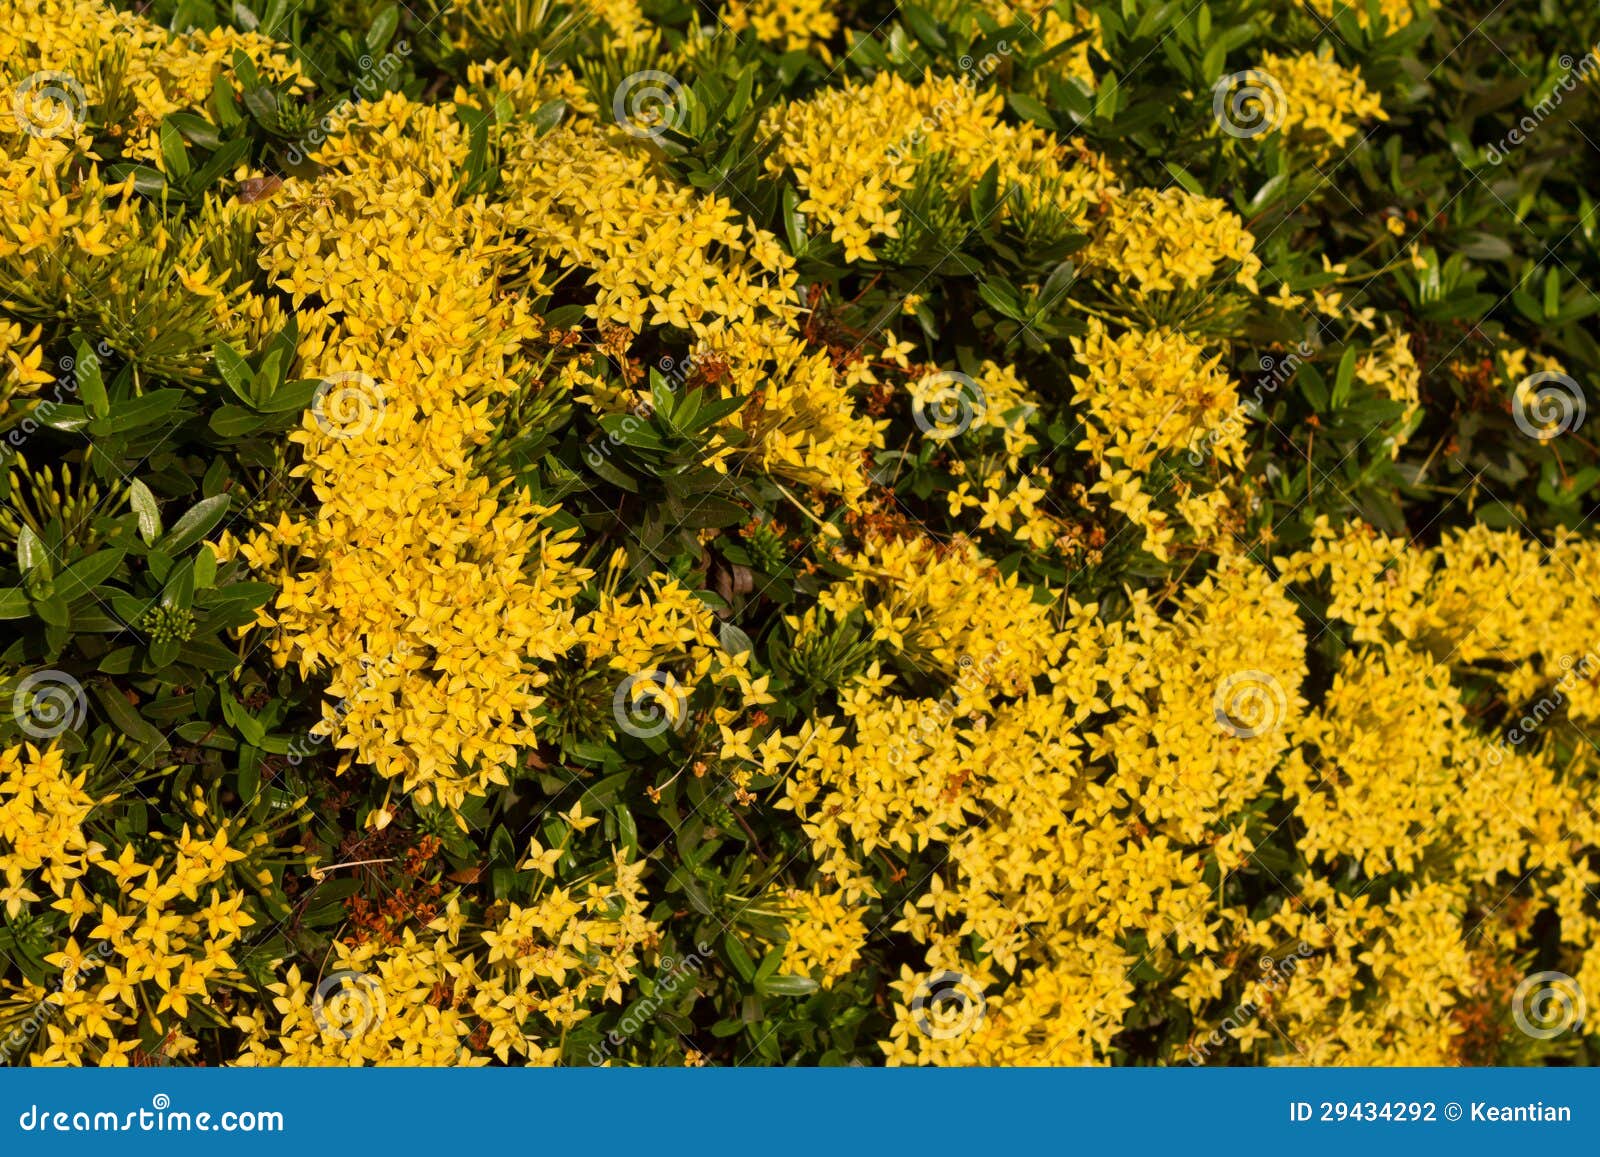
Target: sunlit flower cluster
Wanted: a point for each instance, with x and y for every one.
(1323, 105)
(666, 560)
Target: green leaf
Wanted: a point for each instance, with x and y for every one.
(86, 372)
(1185, 178)
(174, 153)
(178, 590)
(742, 92)
(382, 29)
(734, 641)
(146, 180)
(985, 194)
(232, 422)
(164, 652)
(224, 160)
(547, 116)
(235, 372)
(118, 662)
(262, 105)
(149, 513)
(125, 719)
(923, 27)
(86, 574)
(628, 430)
(208, 655)
(67, 418)
(223, 107)
(698, 900)
(738, 956)
(32, 555)
(787, 986)
(710, 413)
(251, 729)
(1345, 378)
(52, 610)
(794, 221)
(196, 129)
(291, 396)
(1029, 109)
(1060, 280)
(205, 569)
(136, 412)
(195, 524)
(1309, 382)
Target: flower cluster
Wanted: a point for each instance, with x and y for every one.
(597, 539)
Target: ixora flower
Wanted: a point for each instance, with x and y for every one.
(611, 541)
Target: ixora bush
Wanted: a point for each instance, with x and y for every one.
(649, 533)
